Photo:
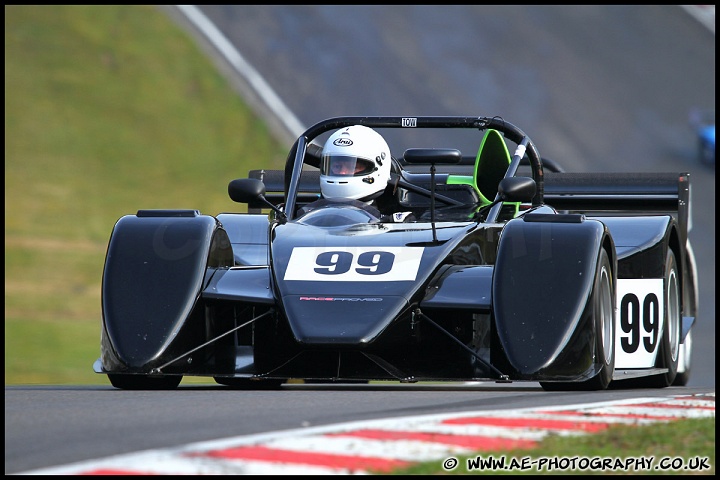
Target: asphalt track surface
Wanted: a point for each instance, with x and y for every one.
(389, 443)
(599, 88)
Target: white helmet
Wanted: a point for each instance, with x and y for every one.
(355, 164)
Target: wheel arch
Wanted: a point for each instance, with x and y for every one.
(609, 245)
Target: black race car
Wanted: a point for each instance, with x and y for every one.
(579, 281)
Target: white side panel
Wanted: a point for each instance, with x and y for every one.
(638, 322)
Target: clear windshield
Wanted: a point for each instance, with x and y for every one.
(336, 216)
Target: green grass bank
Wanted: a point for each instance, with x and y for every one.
(108, 109)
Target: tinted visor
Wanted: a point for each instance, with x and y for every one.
(345, 166)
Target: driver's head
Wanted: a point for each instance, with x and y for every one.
(346, 166)
(355, 164)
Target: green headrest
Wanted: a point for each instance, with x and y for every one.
(491, 163)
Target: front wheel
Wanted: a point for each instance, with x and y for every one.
(603, 313)
(144, 382)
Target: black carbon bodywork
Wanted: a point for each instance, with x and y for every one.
(543, 279)
(157, 263)
(499, 292)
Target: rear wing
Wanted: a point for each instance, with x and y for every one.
(619, 193)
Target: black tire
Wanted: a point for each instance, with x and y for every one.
(669, 350)
(682, 377)
(602, 301)
(144, 382)
(250, 383)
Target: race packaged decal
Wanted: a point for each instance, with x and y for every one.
(354, 264)
(638, 322)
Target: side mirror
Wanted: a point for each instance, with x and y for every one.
(517, 189)
(247, 190)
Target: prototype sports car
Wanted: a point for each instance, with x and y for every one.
(512, 271)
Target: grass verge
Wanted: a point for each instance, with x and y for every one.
(685, 447)
(108, 109)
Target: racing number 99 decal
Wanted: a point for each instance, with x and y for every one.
(370, 263)
(640, 312)
(355, 264)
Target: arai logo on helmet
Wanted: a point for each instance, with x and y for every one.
(342, 142)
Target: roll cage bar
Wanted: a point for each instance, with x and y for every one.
(296, 156)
